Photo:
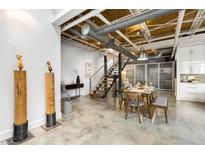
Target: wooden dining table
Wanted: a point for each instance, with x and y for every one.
(146, 91)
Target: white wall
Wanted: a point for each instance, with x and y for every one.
(31, 34)
(73, 58)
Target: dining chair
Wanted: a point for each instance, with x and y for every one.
(133, 100)
(154, 95)
(122, 101)
(122, 96)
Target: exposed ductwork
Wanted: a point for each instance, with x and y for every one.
(74, 31)
(135, 20)
(88, 30)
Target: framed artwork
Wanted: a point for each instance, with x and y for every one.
(88, 70)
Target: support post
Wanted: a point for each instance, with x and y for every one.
(115, 85)
(119, 71)
(105, 65)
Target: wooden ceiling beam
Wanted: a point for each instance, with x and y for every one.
(178, 29)
(198, 20)
(147, 34)
(158, 39)
(81, 19)
(80, 40)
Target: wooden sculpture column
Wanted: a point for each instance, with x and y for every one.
(50, 98)
(21, 122)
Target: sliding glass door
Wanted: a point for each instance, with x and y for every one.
(159, 75)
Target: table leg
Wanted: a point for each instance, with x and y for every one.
(126, 110)
(165, 110)
(125, 105)
(139, 114)
(154, 115)
(148, 105)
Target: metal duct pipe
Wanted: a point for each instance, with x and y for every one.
(164, 51)
(135, 20)
(88, 30)
(74, 31)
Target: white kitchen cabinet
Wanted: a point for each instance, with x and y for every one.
(191, 91)
(192, 60)
(198, 53)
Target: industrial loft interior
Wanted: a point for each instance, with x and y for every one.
(102, 76)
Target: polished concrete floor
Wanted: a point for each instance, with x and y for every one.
(101, 122)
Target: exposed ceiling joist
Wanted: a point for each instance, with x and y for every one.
(147, 34)
(196, 39)
(80, 40)
(198, 20)
(165, 37)
(81, 19)
(78, 44)
(178, 29)
(67, 15)
(100, 16)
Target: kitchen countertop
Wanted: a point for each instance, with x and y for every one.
(192, 82)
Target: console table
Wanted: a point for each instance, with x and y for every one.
(75, 86)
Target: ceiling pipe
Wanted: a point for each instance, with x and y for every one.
(74, 31)
(100, 16)
(135, 20)
(162, 52)
(81, 19)
(87, 30)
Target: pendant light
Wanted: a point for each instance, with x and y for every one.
(142, 56)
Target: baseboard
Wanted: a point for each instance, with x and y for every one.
(189, 99)
(9, 133)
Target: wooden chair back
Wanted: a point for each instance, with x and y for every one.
(132, 97)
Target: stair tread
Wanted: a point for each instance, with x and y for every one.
(106, 84)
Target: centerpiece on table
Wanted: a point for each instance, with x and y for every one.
(141, 84)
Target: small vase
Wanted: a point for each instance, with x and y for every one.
(78, 80)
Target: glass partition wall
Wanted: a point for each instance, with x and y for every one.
(130, 73)
(153, 75)
(159, 75)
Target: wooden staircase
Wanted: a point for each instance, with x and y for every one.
(105, 85)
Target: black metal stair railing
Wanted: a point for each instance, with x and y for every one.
(98, 71)
(103, 87)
